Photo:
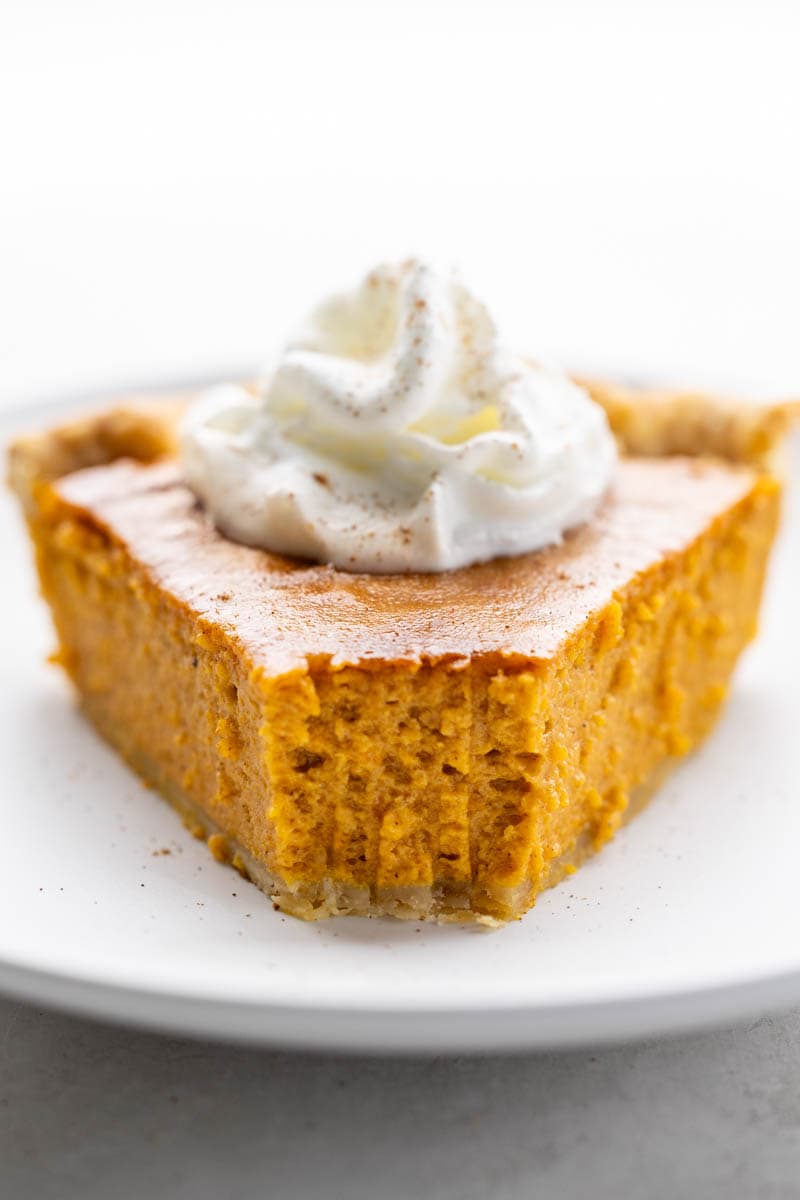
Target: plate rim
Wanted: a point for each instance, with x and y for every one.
(424, 1031)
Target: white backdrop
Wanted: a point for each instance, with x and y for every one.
(178, 180)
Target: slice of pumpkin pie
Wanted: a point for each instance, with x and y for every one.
(509, 636)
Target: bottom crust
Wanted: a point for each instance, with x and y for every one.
(444, 904)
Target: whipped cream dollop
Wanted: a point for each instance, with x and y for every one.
(396, 433)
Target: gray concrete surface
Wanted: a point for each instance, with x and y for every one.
(89, 1112)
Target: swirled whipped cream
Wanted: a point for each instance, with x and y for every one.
(397, 433)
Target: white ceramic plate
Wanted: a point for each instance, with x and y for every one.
(688, 919)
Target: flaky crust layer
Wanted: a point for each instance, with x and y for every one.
(654, 423)
(141, 428)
